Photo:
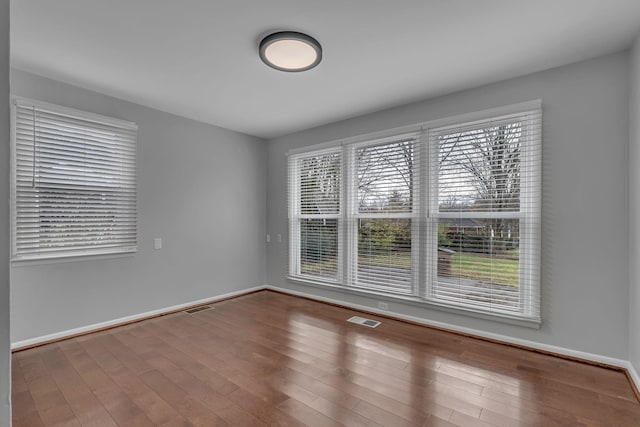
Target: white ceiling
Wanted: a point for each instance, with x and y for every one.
(199, 58)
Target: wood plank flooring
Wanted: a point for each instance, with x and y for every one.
(274, 359)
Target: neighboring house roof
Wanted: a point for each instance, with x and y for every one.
(461, 222)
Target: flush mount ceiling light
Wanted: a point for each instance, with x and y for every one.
(290, 51)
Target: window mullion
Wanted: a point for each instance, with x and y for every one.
(430, 244)
(421, 193)
(349, 228)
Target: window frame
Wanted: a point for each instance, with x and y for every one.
(63, 255)
(530, 185)
(353, 214)
(296, 216)
(423, 229)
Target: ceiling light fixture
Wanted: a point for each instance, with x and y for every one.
(290, 51)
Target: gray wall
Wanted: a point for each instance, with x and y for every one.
(200, 188)
(634, 253)
(585, 240)
(5, 355)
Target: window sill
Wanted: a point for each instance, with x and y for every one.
(415, 301)
(58, 259)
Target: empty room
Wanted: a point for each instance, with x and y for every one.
(334, 213)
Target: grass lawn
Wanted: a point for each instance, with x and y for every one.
(326, 268)
(394, 259)
(502, 270)
(505, 271)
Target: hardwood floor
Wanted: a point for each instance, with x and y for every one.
(274, 359)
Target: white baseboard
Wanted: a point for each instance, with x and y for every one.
(625, 364)
(123, 320)
(633, 374)
(504, 338)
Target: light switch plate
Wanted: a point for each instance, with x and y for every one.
(157, 243)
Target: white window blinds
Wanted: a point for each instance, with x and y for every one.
(383, 224)
(74, 183)
(314, 214)
(485, 209)
(448, 216)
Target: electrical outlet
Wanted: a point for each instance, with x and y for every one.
(383, 305)
(268, 238)
(157, 243)
(279, 238)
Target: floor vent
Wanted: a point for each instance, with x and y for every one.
(362, 321)
(197, 309)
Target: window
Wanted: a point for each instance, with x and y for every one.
(73, 183)
(446, 215)
(383, 231)
(485, 208)
(316, 215)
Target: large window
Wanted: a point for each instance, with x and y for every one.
(448, 215)
(73, 183)
(383, 220)
(316, 215)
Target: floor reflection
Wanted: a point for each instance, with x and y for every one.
(414, 372)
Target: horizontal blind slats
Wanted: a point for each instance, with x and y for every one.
(485, 200)
(315, 211)
(75, 183)
(385, 177)
(72, 143)
(450, 215)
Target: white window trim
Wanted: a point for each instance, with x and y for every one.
(70, 256)
(479, 116)
(295, 216)
(352, 216)
(417, 302)
(528, 193)
(426, 232)
(74, 113)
